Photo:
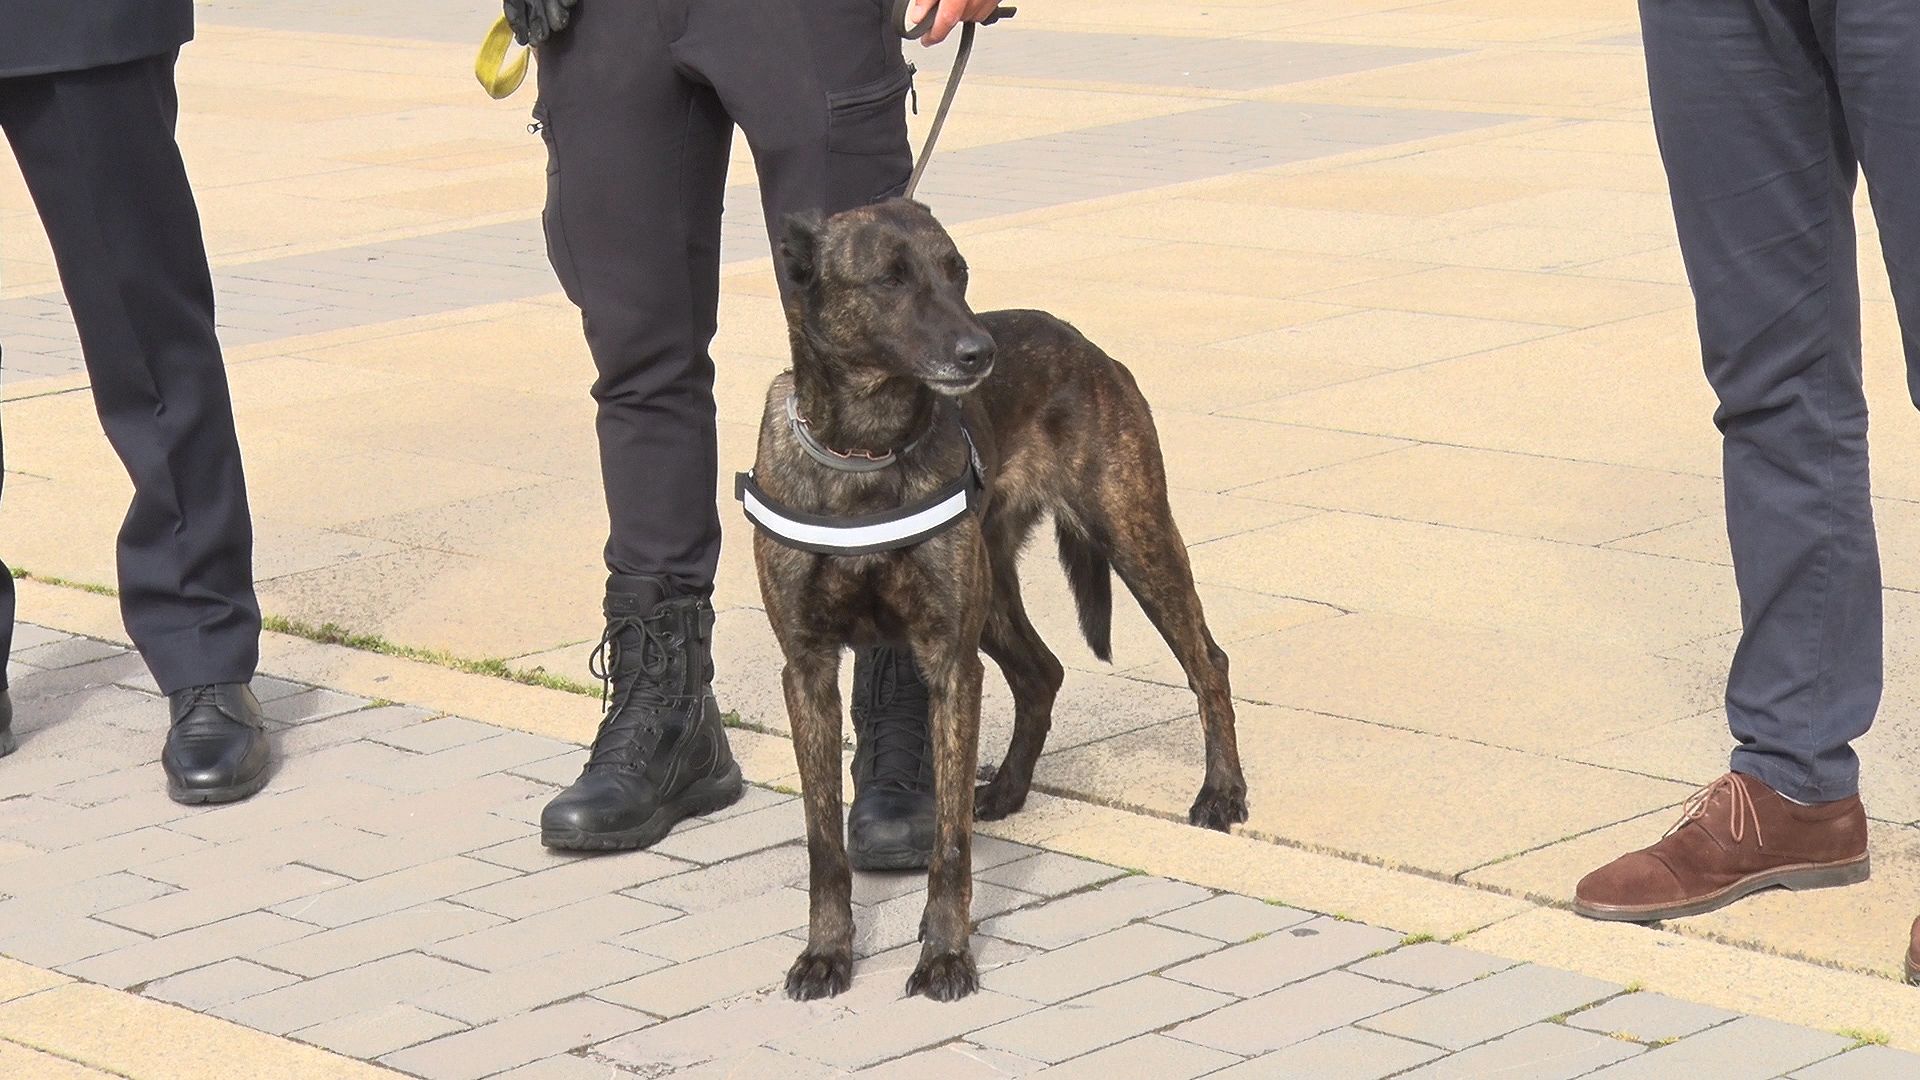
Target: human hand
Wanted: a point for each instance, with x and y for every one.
(951, 13)
(534, 21)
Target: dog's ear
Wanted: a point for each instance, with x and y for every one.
(800, 246)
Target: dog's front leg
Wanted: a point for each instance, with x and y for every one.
(946, 971)
(812, 683)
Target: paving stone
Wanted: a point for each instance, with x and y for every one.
(1049, 874)
(217, 984)
(122, 815)
(579, 879)
(1233, 918)
(438, 734)
(1113, 1014)
(729, 882)
(378, 1031)
(418, 927)
(721, 1030)
(59, 941)
(1432, 966)
(956, 1061)
(512, 943)
(685, 987)
(124, 851)
(772, 826)
(580, 970)
(517, 1040)
(566, 1067)
(358, 900)
(343, 993)
(436, 771)
(900, 1027)
(89, 897)
(245, 892)
(1148, 1057)
(761, 1061)
(692, 936)
(1539, 1052)
(153, 958)
(1866, 1063)
(67, 652)
(1083, 915)
(1492, 1006)
(307, 739)
(309, 705)
(422, 842)
(1290, 955)
(1294, 1013)
(29, 636)
(1745, 1049)
(892, 923)
(1648, 1018)
(1085, 965)
(1349, 1053)
(559, 771)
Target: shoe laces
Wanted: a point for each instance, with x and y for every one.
(1740, 809)
(637, 692)
(895, 733)
(201, 695)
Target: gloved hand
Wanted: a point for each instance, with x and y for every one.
(534, 21)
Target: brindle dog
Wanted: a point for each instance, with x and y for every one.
(886, 355)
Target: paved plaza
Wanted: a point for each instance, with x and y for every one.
(1400, 280)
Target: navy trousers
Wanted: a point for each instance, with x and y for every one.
(96, 148)
(1766, 112)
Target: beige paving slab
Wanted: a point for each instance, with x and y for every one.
(1384, 338)
(1640, 603)
(1511, 295)
(1545, 498)
(1305, 229)
(1341, 785)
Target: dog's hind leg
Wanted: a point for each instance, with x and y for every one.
(812, 683)
(1033, 673)
(946, 970)
(1146, 551)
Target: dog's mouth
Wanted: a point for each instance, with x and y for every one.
(957, 385)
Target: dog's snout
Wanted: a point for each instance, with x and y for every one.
(973, 352)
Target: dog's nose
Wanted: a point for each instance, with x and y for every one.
(973, 353)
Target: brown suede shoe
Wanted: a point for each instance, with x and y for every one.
(1736, 836)
(1913, 956)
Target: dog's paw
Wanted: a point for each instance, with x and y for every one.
(996, 800)
(1220, 810)
(819, 975)
(946, 976)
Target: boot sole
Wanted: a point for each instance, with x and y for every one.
(1797, 878)
(703, 797)
(187, 796)
(888, 858)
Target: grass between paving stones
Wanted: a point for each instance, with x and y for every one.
(334, 634)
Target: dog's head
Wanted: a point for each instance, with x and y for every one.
(881, 291)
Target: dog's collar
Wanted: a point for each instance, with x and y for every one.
(869, 534)
(853, 461)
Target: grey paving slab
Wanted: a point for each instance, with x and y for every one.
(1195, 63)
(561, 1067)
(692, 936)
(420, 926)
(958, 1060)
(510, 943)
(1866, 1063)
(1049, 874)
(1350, 1053)
(685, 987)
(1294, 1013)
(1745, 1049)
(1147, 1057)
(397, 891)
(1432, 966)
(1106, 1016)
(568, 882)
(203, 989)
(896, 922)
(518, 1040)
(900, 1027)
(343, 993)
(1493, 1006)
(153, 958)
(1539, 1052)
(188, 908)
(1649, 1018)
(378, 1031)
(1232, 918)
(528, 986)
(1086, 965)
(1083, 915)
(772, 826)
(1288, 955)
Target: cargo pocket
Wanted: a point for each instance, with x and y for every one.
(552, 222)
(869, 157)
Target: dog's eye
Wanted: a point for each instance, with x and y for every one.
(892, 281)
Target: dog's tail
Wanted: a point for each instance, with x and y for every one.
(1092, 580)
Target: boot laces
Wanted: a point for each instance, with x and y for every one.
(201, 695)
(1740, 809)
(896, 729)
(636, 694)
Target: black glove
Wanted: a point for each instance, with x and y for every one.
(534, 21)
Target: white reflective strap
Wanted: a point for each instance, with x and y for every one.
(854, 537)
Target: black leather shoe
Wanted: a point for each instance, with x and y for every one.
(661, 754)
(890, 826)
(6, 724)
(217, 748)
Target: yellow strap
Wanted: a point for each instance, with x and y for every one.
(499, 77)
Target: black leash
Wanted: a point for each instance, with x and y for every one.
(914, 33)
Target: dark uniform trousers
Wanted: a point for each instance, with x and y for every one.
(97, 150)
(1765, 110)
(638, 101)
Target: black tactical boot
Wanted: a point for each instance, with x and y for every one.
(661, 754)
(6, 724)
(217, 749)
(890, 826)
